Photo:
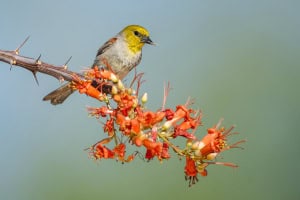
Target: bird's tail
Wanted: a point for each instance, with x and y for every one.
(59, 95)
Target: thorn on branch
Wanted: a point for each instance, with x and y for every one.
(12, 62)
(61, 79)
(35, 77)
(38, 61)
(17, 51)
(65, 65)
(37, 65)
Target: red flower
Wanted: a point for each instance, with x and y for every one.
(153, 149)
(128, 126)
(97, 73)
(215, 142)
(109, 127)
(190, 171)
(102, 111)
(86, 88)
(181, 113)
(183, 133)
(190, 123)
(149, 119)
(102, 152)
(165, 151)
(135, 126)
(124, 124)
(169, 114)
(138, 140)
(126, 102)
(119, 150)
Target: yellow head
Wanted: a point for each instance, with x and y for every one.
(136, 36)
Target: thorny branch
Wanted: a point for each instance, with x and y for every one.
(35, 65)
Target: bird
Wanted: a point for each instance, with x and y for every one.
(120, 54)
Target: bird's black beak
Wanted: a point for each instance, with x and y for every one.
(147, 40)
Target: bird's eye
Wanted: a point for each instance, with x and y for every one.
(136, 33)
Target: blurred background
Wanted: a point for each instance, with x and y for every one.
(237, 59)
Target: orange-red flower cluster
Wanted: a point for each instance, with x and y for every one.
(203, 151)
(152, 130)
(99, 151)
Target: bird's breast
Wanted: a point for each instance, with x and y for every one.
(120, 59)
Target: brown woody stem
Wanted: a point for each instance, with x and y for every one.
(36, 65)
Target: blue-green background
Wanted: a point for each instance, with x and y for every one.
(237, 59)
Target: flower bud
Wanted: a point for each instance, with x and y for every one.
(198, 153)
(129, 91)
(120, 85)
(211, 156)
(135, 103)
(114, 78)
(195, 145)
(198, 145)
(167, 125)
(114, 90)
(144, 98)
(189, 143)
